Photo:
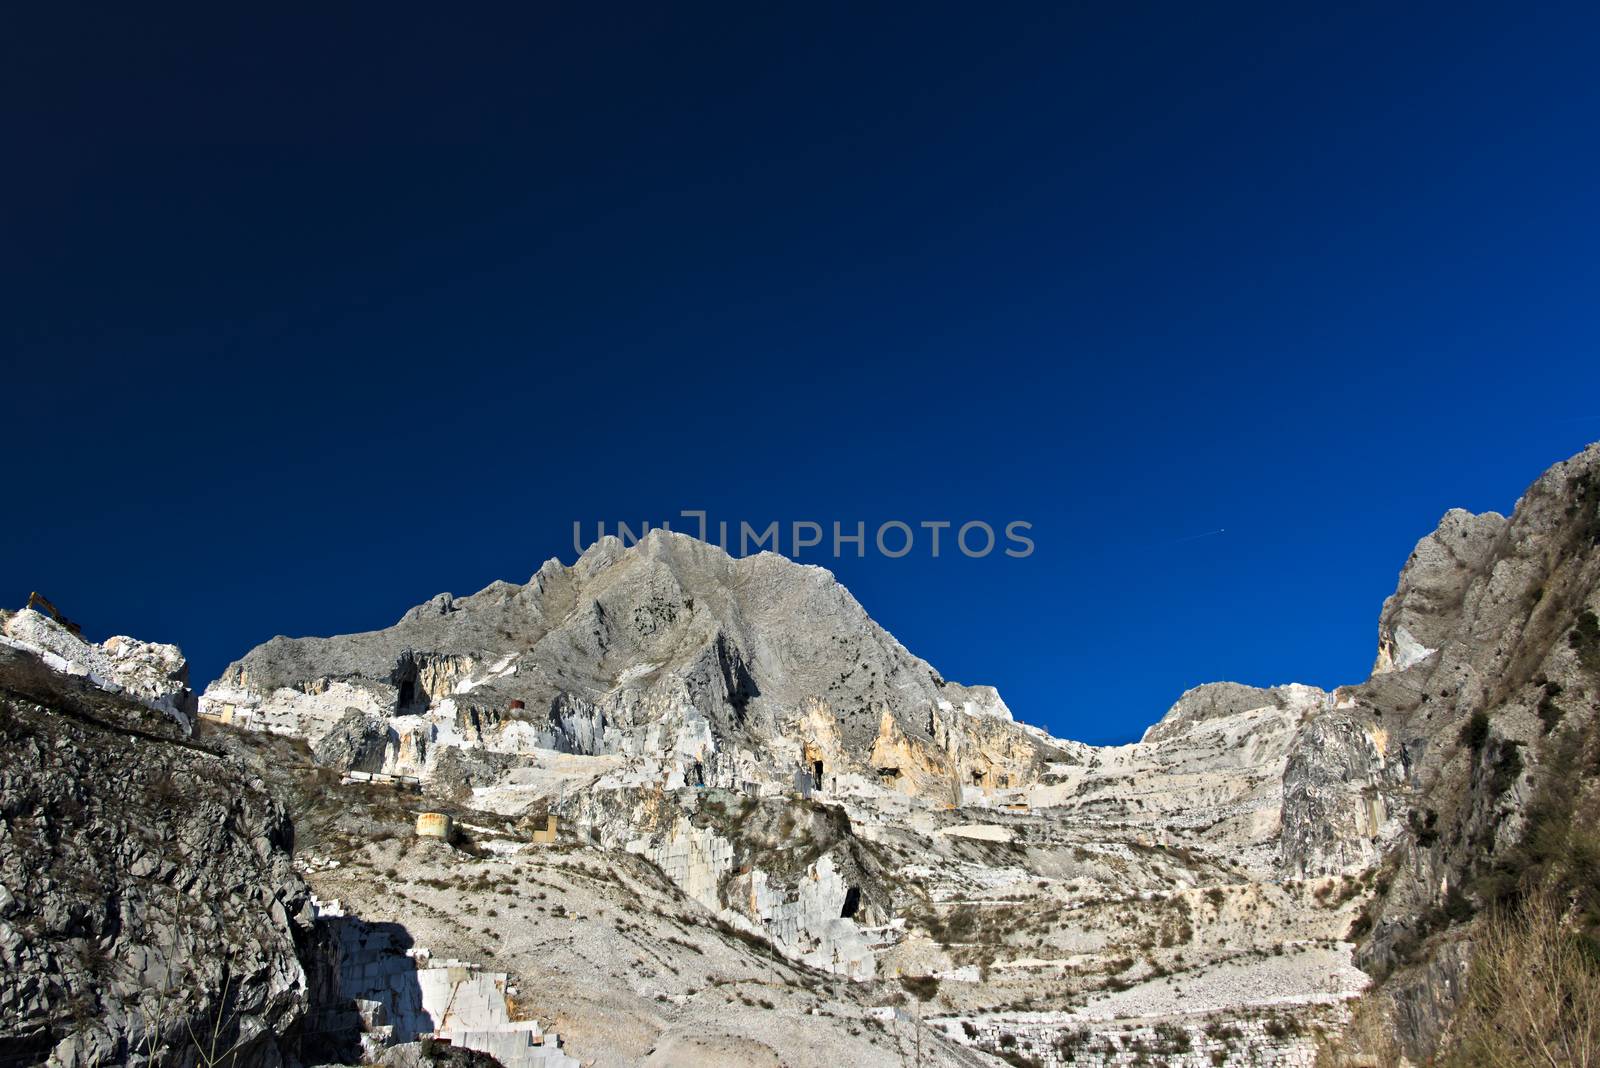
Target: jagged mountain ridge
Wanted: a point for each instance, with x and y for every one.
(738, 666)
(603, 692)
(1191, 893)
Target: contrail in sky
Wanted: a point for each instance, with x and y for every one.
(1197, 537)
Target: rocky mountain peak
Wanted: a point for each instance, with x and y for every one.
(695, 665)
(1211, 700)
(1425, 607)
(737, 741)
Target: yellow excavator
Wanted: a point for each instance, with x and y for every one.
(39, 602)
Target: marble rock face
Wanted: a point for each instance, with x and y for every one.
(154, 674)
(700, 668)
(739, 736)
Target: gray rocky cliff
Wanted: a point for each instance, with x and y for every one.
(1344, 797)
(357, 742)
(1212, 700)
(785, 765)
(147, 902)
(1487, 683)
(721, 668)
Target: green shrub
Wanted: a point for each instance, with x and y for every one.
(1559, 851)
(1549, 712)
(1424, 827)
(1585, 640)
(1507, 768)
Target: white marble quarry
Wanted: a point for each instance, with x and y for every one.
(469, 1008)
(807, 926)
(153, 674)
(291, 711)
(646, 690)
(401, 995)
(810, 925)
(695, 858)
(515, 1046)
(984, 832)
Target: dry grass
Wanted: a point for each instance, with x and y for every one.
(1532, 999)
(1533, 996)
(1368, 1041)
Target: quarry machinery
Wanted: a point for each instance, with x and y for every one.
(39, 602)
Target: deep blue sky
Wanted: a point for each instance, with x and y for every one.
(307, 319)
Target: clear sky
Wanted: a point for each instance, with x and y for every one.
(306, 320)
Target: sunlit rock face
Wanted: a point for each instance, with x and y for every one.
(1488, 670)
(1422, 613)
(742, 729)
(146, 887)
(155, 675)
(699, 668)
(1341, 789)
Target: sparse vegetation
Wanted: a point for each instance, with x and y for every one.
(1533, 994)
(1584, 639)
(1549, 712)
(1170, 1039)
(1475, 731)
(1559, 852)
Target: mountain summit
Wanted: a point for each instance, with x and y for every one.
(699, 667)
(703, 810)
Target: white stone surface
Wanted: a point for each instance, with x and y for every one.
(401, 995)
(156, 675)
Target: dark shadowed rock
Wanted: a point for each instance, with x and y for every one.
(356, 743)
(147, 890)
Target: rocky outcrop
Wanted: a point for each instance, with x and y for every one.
(1211, 701)
(1343, 796)
(1484, 685)
(147, 902)
(701, 667)
(357, 742)
(1425, 609)
(153, 674)
(788, 870)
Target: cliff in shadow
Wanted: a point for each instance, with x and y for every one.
(148, 909)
